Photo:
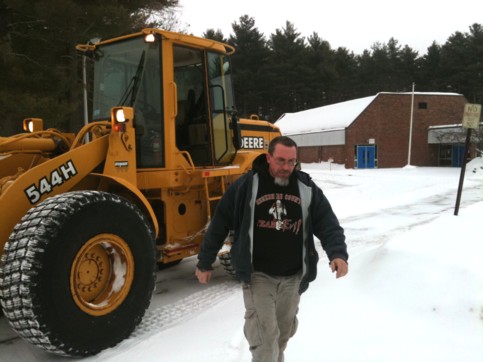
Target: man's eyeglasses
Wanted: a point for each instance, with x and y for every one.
(282, 162)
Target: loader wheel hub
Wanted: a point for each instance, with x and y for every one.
(102, 274)
(91, 269)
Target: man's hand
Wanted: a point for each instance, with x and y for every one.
(203, 276)
(340, 267)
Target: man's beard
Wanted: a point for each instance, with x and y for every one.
(281, 181)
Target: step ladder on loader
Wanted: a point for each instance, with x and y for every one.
(224, 253)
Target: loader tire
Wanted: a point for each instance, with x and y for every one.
(78, 272)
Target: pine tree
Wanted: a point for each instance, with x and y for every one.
(40, 66)
(250, 63)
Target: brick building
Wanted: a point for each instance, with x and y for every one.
(374, 131)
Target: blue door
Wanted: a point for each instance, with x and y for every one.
(457, 155)
(366, 156)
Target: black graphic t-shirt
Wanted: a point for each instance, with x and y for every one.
(278, 236)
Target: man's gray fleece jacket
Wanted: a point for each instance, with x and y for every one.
(235, 211)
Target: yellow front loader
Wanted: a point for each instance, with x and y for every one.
(87, 219)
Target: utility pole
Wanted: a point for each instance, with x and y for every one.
(411, 126)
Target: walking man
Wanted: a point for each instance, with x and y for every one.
(274, 212)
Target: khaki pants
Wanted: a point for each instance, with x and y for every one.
(271, 305)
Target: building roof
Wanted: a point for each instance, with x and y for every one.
(332, 117)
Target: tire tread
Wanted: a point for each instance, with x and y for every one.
(20, 265)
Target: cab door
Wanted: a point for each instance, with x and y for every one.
(204, 122)
(222, 107)
(192, 120)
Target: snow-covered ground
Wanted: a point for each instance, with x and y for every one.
(414, 290)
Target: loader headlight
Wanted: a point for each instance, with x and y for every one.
(149, 38)
(120, 117)
(33, 124)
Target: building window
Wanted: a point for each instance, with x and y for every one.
(423, 105)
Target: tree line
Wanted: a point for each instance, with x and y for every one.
(41, 73)
(40, 70)
(289, 73)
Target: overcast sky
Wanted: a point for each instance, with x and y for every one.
(353, 24)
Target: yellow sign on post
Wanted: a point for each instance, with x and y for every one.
(471, 115)
(471, 119)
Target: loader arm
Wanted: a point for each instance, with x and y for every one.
(52, 177)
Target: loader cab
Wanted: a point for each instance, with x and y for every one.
(181, 92)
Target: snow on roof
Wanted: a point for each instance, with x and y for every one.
(334, 116)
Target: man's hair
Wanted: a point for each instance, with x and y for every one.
(284, 140)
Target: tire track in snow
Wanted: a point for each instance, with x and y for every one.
(7, 335)
(388, 222)
(164, 317)
(9, 340)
